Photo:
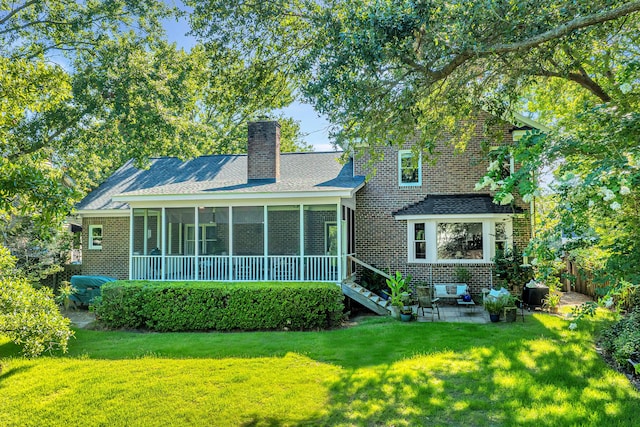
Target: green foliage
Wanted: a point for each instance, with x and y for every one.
(177, 306)
(399, 287)
(387, 71)
(123, 93)
(622, 339)
(30, 318)
(462, 274)
(510, 270)
(495, 305)
(373, 281)
(64, 293)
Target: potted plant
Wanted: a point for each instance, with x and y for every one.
(494, 307)
(510, 307)
(399, 291)
(406, 314)
(551, 302)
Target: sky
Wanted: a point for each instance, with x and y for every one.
(313, 125)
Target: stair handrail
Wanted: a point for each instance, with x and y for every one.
(368, 266)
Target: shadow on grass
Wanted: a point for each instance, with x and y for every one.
(5, 375)
(548, 380)
(391, 373)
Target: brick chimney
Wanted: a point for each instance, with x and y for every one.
(263, 151)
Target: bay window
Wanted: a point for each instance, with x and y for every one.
(455, 240)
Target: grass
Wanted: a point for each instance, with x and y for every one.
(381, 373)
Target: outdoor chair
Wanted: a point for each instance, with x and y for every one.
(427, 301)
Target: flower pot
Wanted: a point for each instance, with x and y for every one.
(510, 314)
(395, 311)
(406, 317)
(494, 317)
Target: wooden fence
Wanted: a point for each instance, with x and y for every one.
(583, 279)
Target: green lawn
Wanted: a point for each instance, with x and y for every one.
(381, 373)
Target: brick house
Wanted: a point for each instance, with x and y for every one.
(272, 216)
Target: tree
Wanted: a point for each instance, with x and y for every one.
(384, 71)
(86, 86)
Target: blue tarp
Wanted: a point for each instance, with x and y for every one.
(87, 288)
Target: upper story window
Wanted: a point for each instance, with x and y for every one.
(409, 169)
(95, 237)
(503, 161)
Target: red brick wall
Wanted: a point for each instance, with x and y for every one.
(381, 240)
(113, 259)
(263, 150)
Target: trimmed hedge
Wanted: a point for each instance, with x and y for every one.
(201, 306)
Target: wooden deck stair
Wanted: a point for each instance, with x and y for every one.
(365, 297)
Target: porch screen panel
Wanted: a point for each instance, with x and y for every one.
(180, 231)
(214, 230)
(248, 230)
(147, 241)
(320, 236)
(284, 230)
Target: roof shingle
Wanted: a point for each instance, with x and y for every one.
(457, 204)
(206, 175)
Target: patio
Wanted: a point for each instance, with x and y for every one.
(477, 314)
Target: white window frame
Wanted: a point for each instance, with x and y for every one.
(431, 226)
(512, 163)
(91, 237)
(401, 155)
(202, 241)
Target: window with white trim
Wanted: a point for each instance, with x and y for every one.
(419, 241)
(95, 236)
(505, 161)
(409, 169)
(501, 236)
(457, 240)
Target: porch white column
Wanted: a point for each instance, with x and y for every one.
(302, 242)
(339, 237)
(196, 249)
(265, 231)
(130, 242)
(163, 264)
(230, 273)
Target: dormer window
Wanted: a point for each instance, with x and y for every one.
(409, 169)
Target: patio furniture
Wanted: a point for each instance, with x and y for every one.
(450, 291)
(471, 305)
(427, 301)
(87, 288)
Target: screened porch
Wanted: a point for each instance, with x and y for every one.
(240, 243)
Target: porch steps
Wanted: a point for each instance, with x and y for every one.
(365, 297)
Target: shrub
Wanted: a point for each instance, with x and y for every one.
(31, 319)
(622, 339)
(193, 306)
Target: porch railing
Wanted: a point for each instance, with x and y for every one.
(236, 268)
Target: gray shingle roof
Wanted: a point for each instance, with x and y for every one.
(210, 175)
(457, 204)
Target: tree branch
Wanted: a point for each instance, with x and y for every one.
(555, 33)
(582, 79)
(16, 10)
